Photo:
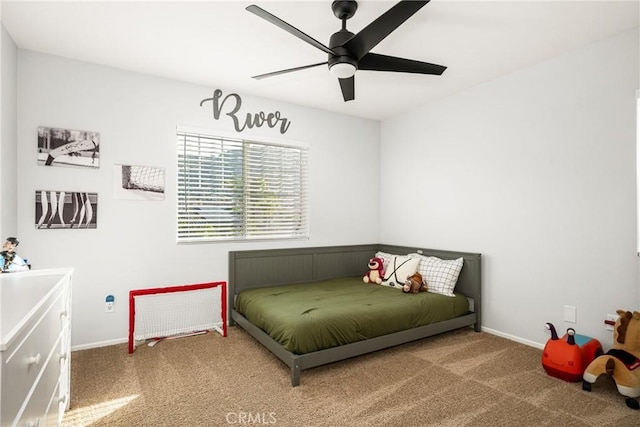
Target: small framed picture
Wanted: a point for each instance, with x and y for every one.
(70, 148)
(133, 182)
(66, 209)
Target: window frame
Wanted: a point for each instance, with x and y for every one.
(245, 216)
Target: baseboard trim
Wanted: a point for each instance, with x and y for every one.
(99, 344)
(484, 329)
(513, 338)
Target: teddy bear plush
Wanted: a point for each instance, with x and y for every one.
(622, 361)
(376, 271)
(414, 284)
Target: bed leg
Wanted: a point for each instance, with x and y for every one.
(295, 374)
(476, 327)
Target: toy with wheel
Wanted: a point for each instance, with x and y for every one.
(567, 357)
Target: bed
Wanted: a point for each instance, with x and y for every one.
(326, 270)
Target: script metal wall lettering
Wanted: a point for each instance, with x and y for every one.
(251, 120)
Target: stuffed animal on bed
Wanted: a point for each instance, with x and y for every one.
(414, 284)
(622, 362)
(376, 271)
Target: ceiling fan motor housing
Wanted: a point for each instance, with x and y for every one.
(342, 55)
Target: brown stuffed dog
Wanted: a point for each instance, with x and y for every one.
(414, 284)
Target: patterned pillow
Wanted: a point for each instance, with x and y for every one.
(386, 258)
(440, 275)
(398, 269)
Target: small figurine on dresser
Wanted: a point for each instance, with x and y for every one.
(10, 261)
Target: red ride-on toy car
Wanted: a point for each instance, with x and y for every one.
(567, 357)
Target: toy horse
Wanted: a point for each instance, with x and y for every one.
(622, 362)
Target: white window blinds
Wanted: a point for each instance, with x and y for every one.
(234, 189)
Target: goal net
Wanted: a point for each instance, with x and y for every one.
(147, 178)
(177, 310)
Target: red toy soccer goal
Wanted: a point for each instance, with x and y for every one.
(177, 310)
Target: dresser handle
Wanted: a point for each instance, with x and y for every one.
(63, 314)
(63, 399)
(34, 359)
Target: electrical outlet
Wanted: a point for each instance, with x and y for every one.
(610, 321)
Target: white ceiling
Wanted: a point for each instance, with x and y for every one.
(219, 44)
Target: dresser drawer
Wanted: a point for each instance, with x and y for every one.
(44, 397)
(26, 357)
(55, 413)
(64, 386)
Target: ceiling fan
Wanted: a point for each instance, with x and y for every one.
(349, 52)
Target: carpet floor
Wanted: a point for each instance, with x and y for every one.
(461, 378)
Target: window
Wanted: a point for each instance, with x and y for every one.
(235, 189)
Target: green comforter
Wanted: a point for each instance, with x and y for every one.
(310, 317)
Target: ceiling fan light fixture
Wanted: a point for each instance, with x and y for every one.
(342, 70)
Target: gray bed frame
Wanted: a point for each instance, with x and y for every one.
(261, 268)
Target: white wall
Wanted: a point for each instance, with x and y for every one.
(8, 151)
(134, 245)
(536, 171)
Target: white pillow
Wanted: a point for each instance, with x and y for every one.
(440, 275)
(386, 258)
(398, 269)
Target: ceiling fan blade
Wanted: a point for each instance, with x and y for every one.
(376, 62)
(276, 73)
(288, 28)
(348, 88)
(360, 44)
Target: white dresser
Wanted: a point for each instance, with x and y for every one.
(35, 347)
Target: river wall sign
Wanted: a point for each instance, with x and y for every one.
(231, 104)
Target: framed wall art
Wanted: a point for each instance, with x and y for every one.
(133, 182)
(67, 147)
(66, 209)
